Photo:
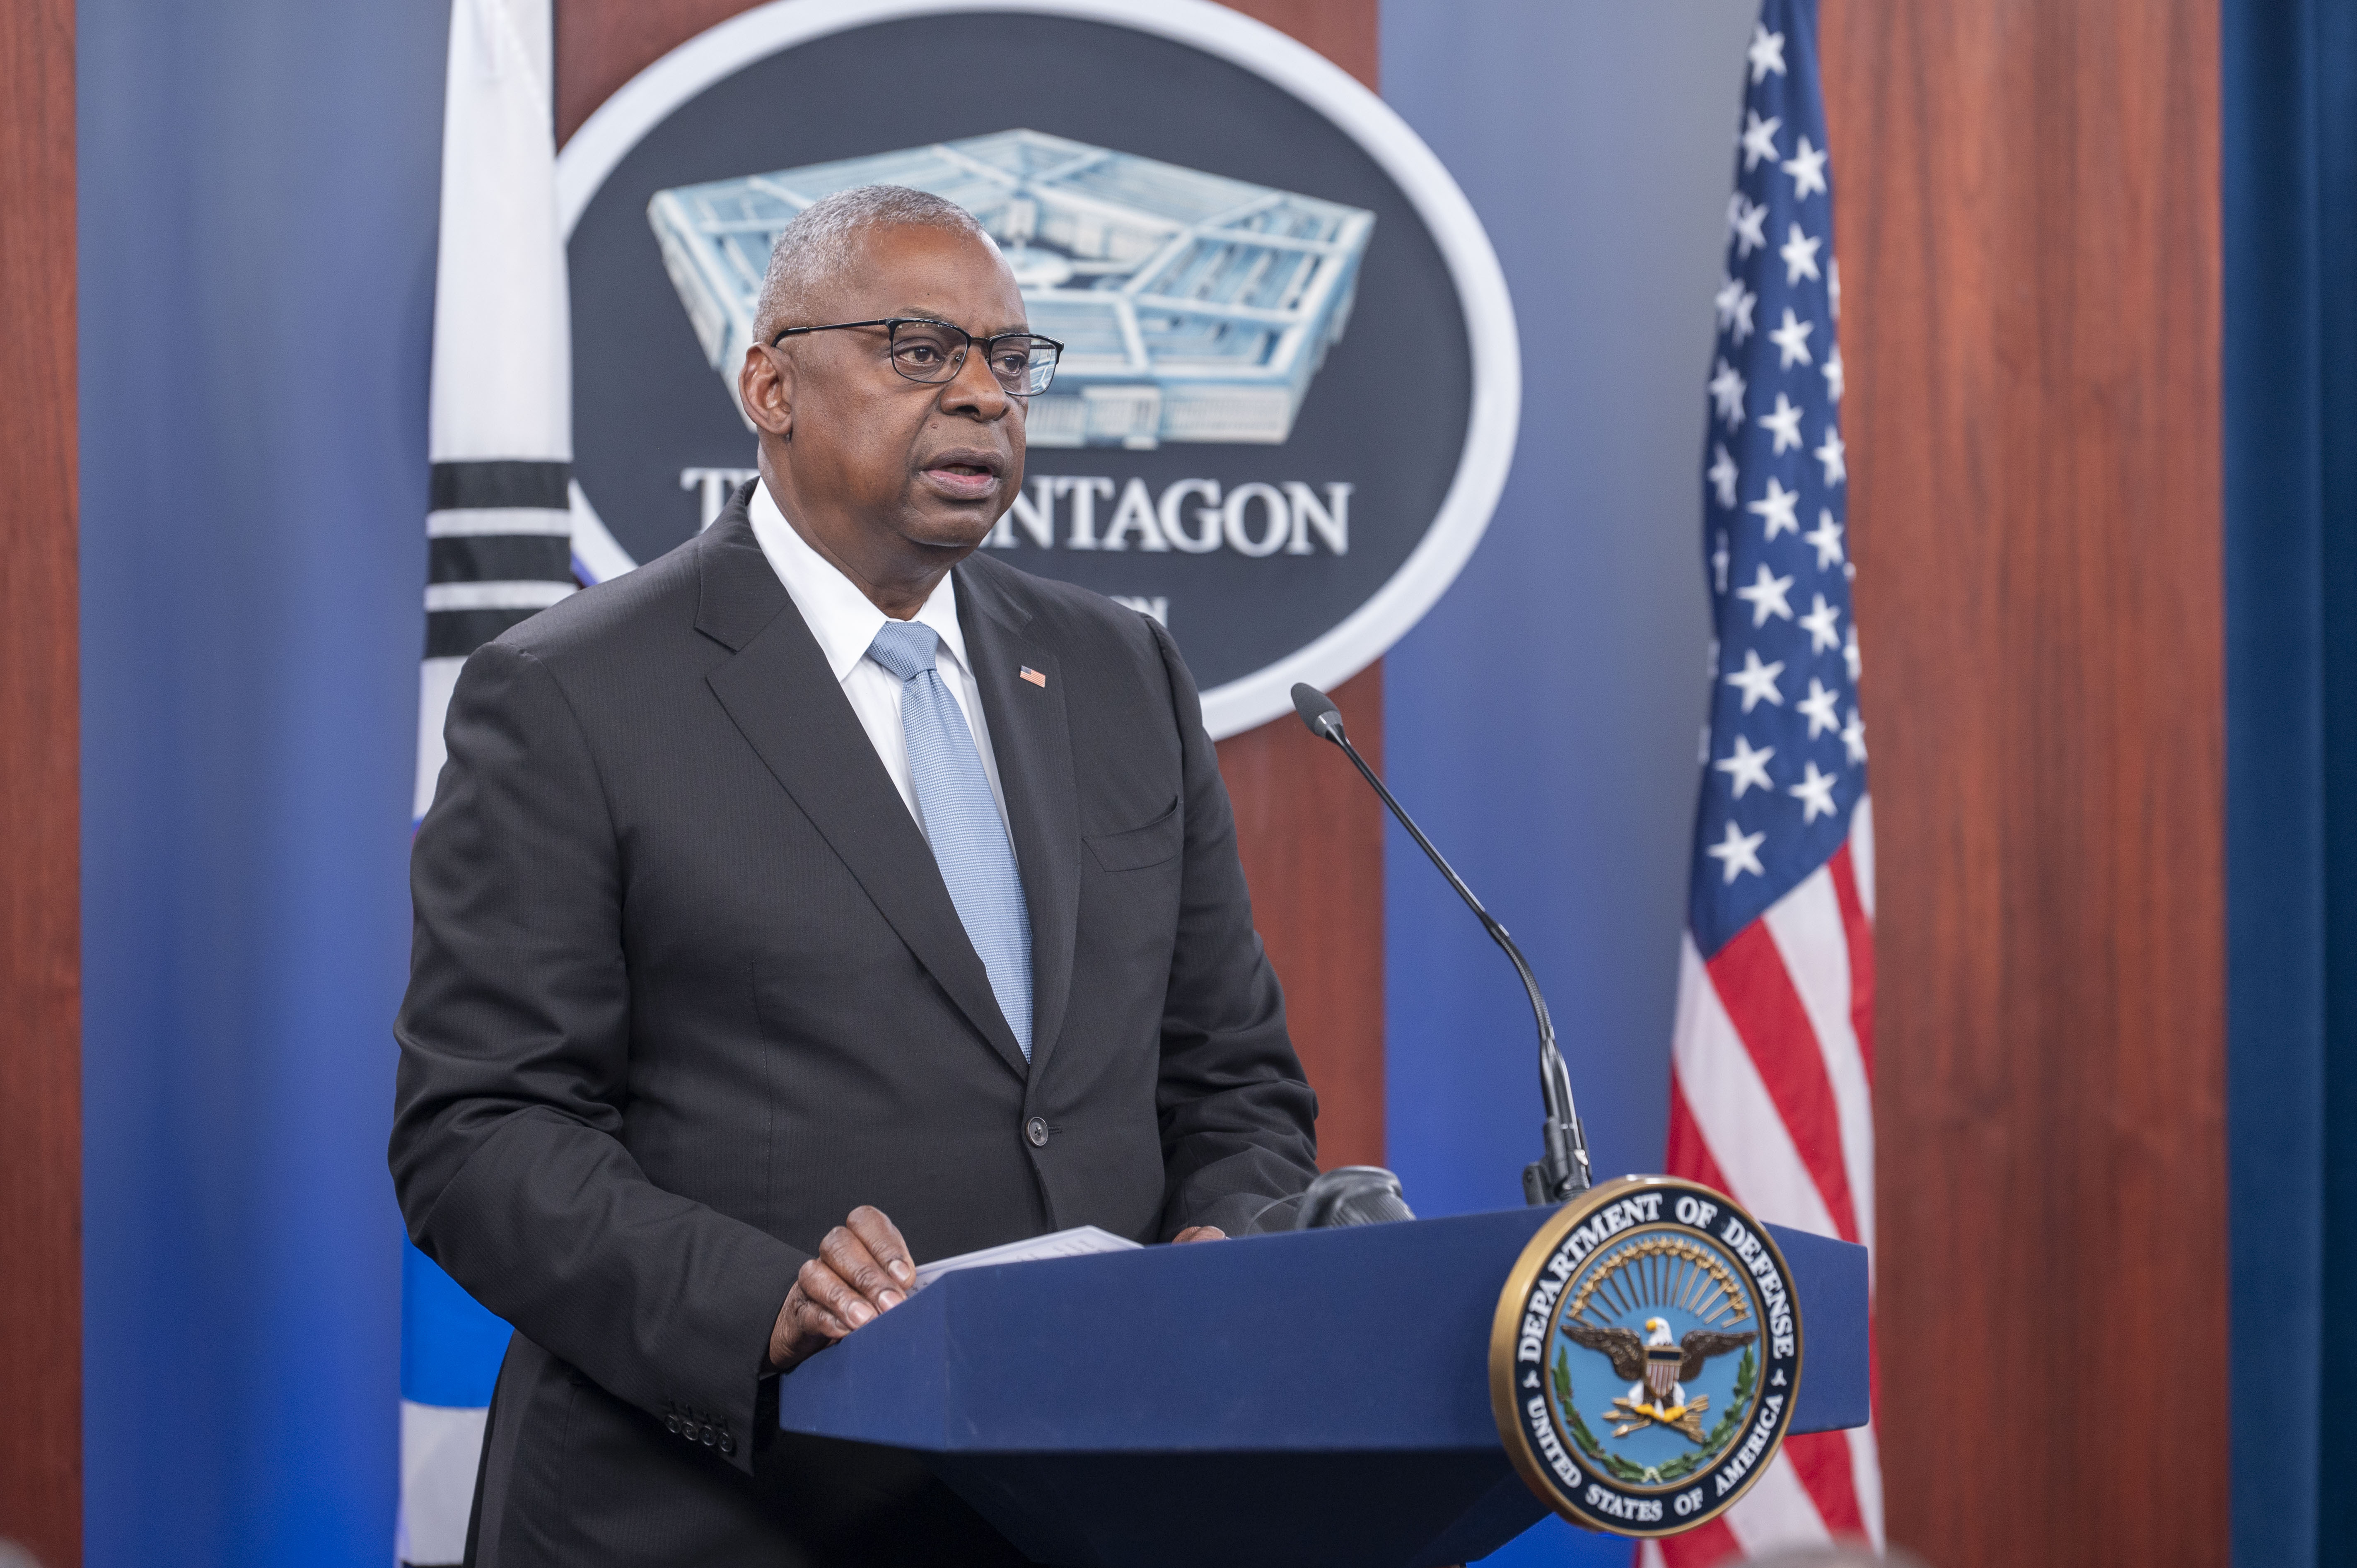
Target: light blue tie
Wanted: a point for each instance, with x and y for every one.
(961, 818)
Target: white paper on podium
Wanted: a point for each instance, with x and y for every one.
(1077, 1242)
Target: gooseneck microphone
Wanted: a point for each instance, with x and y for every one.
(1562, 1172)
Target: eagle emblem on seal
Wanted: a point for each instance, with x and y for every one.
(1657, 1368)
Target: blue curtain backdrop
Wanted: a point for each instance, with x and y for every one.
(2289, 72)
(1541, 721)
(258, 196)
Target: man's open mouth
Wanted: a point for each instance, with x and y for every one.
(963, 476)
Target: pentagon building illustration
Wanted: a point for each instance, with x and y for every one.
(1192, 306)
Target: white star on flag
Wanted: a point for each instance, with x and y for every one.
(1832, 454)
(1819, 624)
(1785, 424)
(1722, 474)
(1766, 53)
(1726, 391)
(1832, 372)
(1815, 793)
(1791, 341)
(1758, 680)
(1776, 506)
(1766, 597)
(1807, 168)
(1735, 303)
(1819, 707)
(1800, 253)
(1738, 852)
(1759, 139)
(1826, 537)
(1748, 222)
(1729, 294)
(1833, 289)
(1850, 654)
(1854, 737)
(1745, 767)
(1719, 560)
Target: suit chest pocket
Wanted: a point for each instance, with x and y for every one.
(1137, 848)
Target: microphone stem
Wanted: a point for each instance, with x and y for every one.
(1566, 1163)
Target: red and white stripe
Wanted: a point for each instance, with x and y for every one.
(1772, 1082)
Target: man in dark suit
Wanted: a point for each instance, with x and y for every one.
(816, 899)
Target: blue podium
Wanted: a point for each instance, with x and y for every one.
(1312, 1398)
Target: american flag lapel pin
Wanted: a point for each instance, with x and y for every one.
(1033, 676)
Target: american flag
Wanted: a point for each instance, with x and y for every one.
(1772, 1067)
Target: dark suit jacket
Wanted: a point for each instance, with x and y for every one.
(687, 987)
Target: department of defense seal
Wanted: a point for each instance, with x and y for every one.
(1645, 1356)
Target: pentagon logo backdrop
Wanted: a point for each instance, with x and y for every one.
(1289, 388)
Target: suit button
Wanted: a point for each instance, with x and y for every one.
(671, 1422)
(710, 1437)
(727, 1444)
(1036, 1131)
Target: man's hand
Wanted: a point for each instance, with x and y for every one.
(862, 1268)
(1199, 1233)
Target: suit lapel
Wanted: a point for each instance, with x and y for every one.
(1032, 743)
(785, 701)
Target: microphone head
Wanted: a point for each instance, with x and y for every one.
(1351, 1195)
(1317, 711)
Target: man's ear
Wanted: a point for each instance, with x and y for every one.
(765, 385)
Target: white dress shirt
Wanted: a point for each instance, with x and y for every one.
(845, 621)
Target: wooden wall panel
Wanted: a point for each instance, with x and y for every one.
(601, 44)
(40, 850)
(2029, 247)
(1309, 832)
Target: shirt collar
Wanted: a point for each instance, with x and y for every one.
(843, 619)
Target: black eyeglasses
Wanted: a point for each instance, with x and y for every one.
(935, 352)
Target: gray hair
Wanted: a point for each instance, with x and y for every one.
(823, 239)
